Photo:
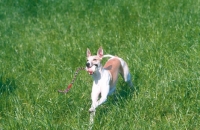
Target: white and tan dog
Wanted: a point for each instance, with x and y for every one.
(105, 78)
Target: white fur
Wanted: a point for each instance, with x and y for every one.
(105, 78)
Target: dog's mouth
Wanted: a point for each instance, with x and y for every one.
(90, 72)
(91, 69)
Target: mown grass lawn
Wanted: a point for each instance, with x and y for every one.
(42, 43)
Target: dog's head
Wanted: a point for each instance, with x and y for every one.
(93, 62)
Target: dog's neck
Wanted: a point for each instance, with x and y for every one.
(97, 74)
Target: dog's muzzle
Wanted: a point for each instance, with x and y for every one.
(91, 69)
(88, 65)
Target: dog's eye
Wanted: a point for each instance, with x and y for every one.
(94, 59)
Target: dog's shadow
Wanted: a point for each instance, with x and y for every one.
(124, 92)
(7, 85)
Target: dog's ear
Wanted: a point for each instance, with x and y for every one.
(100, 52)
(88, 52)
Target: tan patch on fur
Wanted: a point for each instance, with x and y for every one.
(114, 67)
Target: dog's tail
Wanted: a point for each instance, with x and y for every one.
(108, 55)
(126, 73)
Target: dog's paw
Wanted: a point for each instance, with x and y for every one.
(92, 110)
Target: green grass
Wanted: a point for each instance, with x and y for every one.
(43, 42)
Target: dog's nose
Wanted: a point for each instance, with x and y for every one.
(88, 65)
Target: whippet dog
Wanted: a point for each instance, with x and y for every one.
(105, 77)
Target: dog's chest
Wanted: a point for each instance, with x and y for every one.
(104, 77)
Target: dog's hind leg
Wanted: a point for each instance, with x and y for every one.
(127, 78)
(126, 73)
(112, 90)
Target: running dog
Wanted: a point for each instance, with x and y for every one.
(105, 77)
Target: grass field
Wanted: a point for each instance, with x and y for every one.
(43, 42)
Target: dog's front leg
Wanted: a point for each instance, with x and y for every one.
(102, 100)
(104, 90)
(104, 94)
(94, 96)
